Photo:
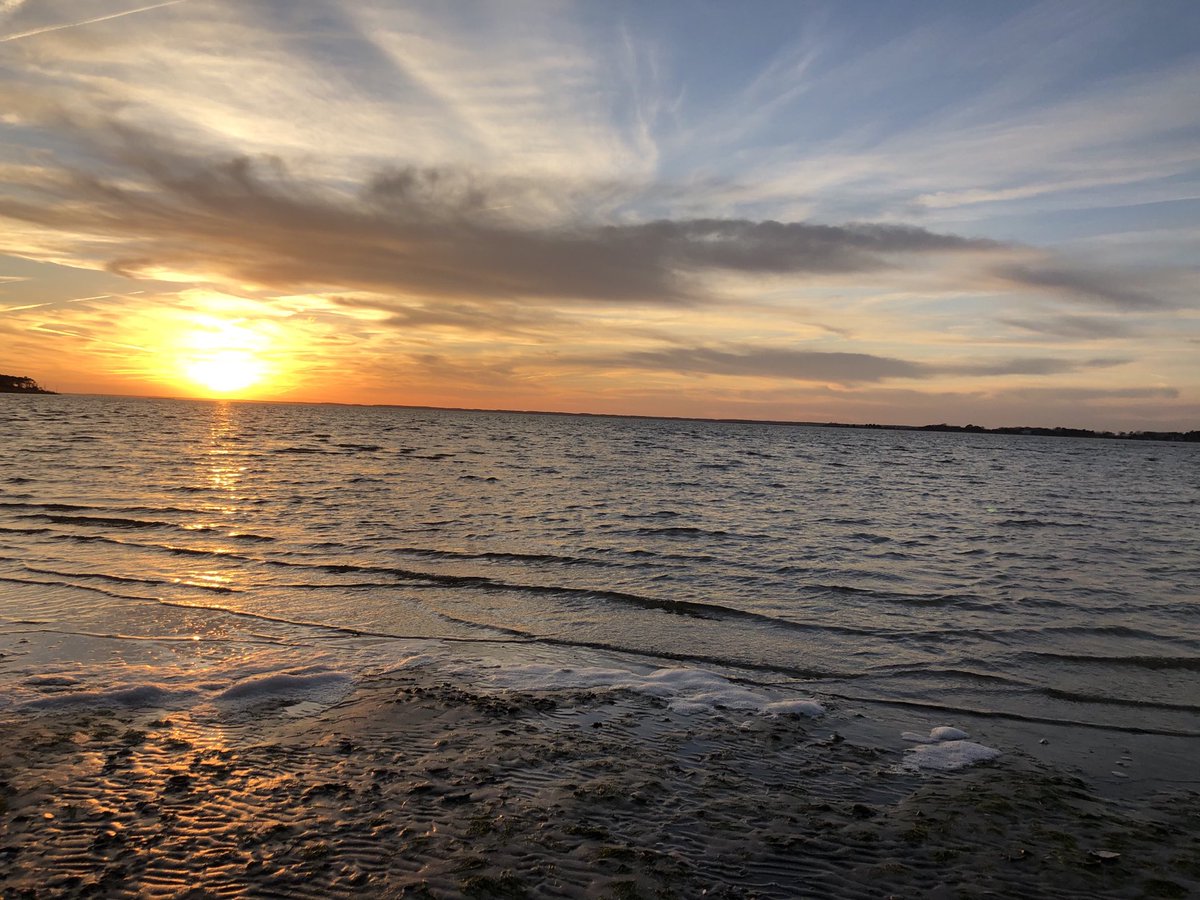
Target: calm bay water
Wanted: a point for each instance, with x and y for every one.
(1036, 578)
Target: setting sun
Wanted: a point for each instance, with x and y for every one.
(226, 372)
(221, 355)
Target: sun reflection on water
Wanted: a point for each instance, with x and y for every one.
(224, 468)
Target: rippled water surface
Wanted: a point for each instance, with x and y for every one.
(1034, 577)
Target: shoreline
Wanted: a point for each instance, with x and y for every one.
(419, 785)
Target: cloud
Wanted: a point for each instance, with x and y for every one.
(1083, 395)
(1026, 366)
(834, 367)
(1086, 328)
(1098, 287)
(501, 318)
(420, 231)
(802, 365)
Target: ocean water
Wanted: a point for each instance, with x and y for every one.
(152, 549)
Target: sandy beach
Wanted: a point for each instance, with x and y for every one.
(414, 786)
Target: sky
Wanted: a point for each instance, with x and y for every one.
(893, 212)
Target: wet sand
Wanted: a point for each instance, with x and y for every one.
(415, 787)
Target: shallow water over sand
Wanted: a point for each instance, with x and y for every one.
(157, 543)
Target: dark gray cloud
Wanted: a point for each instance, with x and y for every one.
(1097, 287)
(501, 317)
(839, 368)
(1083, 328)
(421, 232)
(1030, 365)
(803, 365)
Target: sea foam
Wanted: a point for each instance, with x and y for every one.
(946, 756)
(944, 749)
(685, 690)
(228, 683)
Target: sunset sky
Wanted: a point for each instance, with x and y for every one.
(900, 212)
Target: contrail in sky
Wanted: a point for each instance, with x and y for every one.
(5, 309)
(117, 15)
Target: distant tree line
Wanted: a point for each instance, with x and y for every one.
(1177, 436)
(1190, 436)
(19, 384)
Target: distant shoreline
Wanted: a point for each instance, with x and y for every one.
(1054, 431)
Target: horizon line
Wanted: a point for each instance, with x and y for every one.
(1100, 433)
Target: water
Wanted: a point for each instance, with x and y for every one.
(1035, 579)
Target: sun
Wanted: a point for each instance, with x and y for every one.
(223, 356)
(226, 371)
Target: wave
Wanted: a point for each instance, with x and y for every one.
(498, 556)
(1109, 700)
(963, 601)
(808, 674)
(126, 579)
(870, 537)
(12, 529)
(1041, 523)
(1152, 663)
(142, 545)
(682, 531)
(85, 507)
(1123, 631)
(282, 620)
(957, 710)
(899, 671)
(11, 579)
(27, 504)
(692, 608)
(99, 521)
(249, 536)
